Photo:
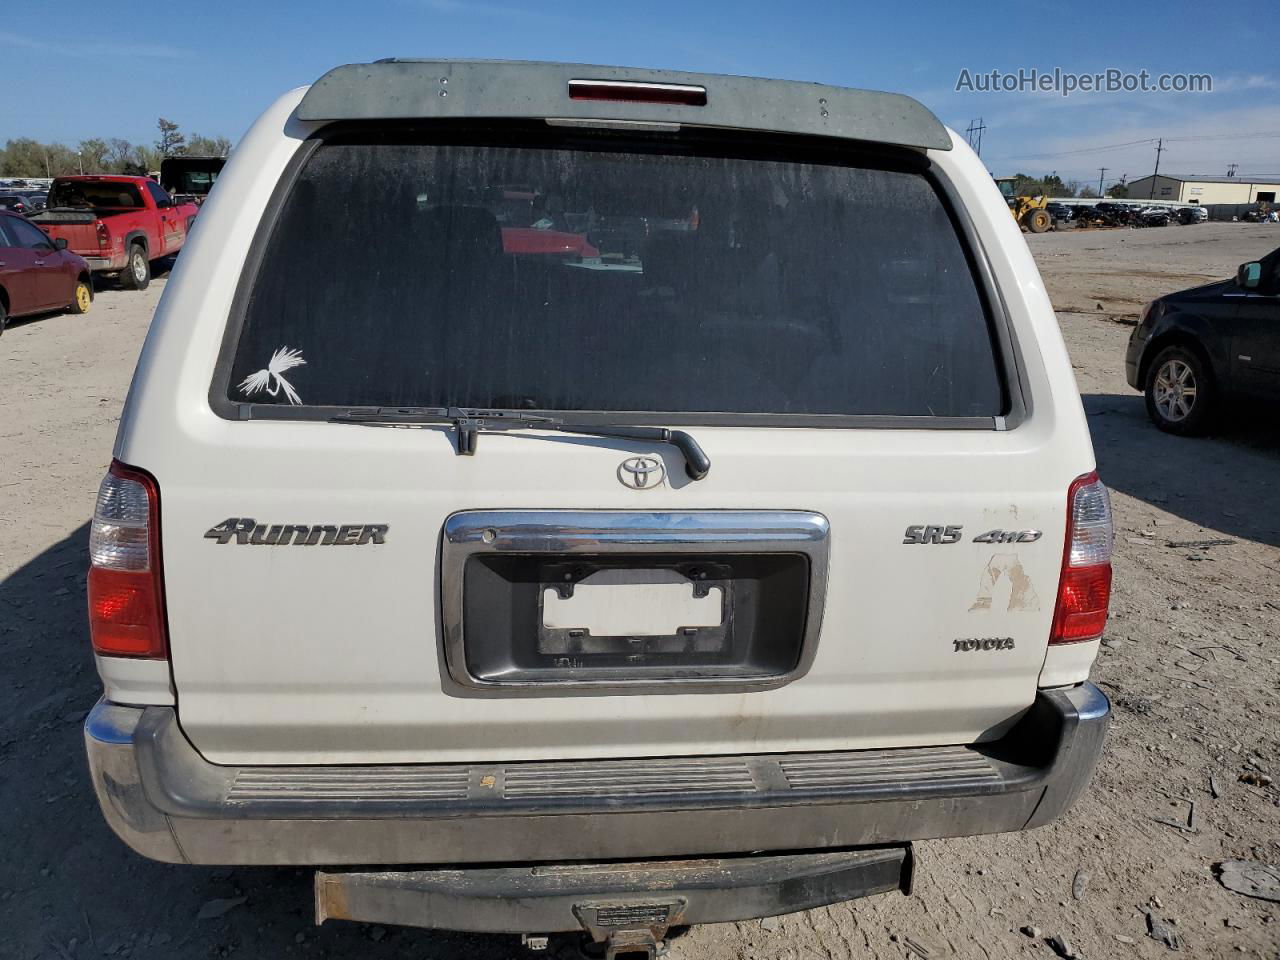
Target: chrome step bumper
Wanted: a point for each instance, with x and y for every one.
(169, 803)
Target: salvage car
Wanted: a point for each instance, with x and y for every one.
(119, 224)
(1194, 351)
(688, 582)
(38, 274)
(15, 202)
(1153, 216)
(1061, 212)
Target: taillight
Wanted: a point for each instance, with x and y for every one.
(1085, 588)
(126, 586)
(104, 238)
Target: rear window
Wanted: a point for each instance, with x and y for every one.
(565, 272)
(95, 196)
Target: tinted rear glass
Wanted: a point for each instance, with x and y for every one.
(94, 195)
(575, 274)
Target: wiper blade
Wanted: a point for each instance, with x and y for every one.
(490, 419)
(469, 422)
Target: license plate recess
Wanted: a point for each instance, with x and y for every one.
(544, 602)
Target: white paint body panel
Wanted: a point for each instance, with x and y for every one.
(135, 682)
(1066, 664)
(285, 656)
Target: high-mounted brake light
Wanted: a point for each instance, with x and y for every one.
(637, 91)
(1084, 591)
(126, 586)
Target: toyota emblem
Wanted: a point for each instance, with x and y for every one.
(642, 473)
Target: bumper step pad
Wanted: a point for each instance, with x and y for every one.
(548, 784)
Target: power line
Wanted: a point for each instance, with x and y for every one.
(1137, 143)
(1225, 136)
(1073, 153)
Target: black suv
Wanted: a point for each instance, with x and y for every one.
(1196, 348)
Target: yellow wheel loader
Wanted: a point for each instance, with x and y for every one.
(1029, 211)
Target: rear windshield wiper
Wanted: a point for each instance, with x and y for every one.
(469, 422)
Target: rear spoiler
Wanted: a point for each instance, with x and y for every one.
(453, 89)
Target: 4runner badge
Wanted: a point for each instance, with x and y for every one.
(248, 530)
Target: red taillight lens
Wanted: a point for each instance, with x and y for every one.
(104, 238)
(637, 91)
(1084, 591)
(126, 589)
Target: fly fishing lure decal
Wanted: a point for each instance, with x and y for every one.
(271, 380)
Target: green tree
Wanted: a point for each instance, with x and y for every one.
(119, 155)
(146, 159)
(200, 146)
(1047, 186)
(93, 155)
(60, 160)
(24, 157)
(171, 143)
(1054, 187)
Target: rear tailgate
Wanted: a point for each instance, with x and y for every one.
(881, 530)
(77, 227)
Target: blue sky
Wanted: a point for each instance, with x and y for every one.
(213, 67)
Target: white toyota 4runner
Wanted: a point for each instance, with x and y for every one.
(616, 498)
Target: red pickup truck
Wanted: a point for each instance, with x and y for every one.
(118, 224)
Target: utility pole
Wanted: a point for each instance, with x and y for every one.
(1102, 172)
(974, 135)
(1156, 173)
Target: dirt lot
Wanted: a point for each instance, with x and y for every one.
(1190, 663)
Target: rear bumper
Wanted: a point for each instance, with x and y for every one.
(104, 264)
(168, 803)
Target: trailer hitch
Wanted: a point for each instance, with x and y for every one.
(630, 928)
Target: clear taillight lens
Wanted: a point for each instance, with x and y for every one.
(1084, 590)
(126, 596)
(1090, 527)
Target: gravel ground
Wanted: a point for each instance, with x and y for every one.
(1190, 662)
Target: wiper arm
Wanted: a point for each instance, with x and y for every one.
(469, 422)
(696, 462)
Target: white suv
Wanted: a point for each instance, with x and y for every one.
(716, 487)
